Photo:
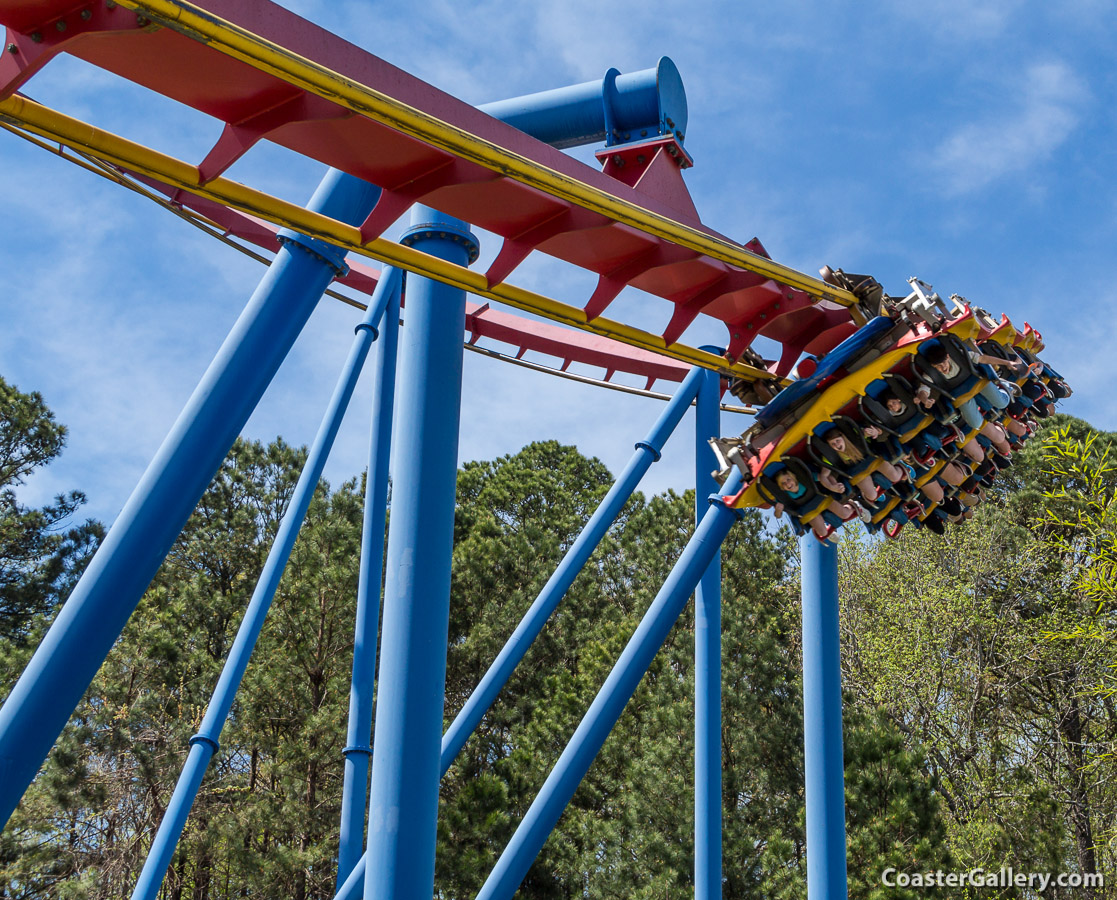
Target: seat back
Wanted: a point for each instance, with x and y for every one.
(810, 504)
(904, 425)
(825, 455)
(960, 386)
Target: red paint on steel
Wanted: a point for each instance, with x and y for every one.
(523, 335)
(255, 105)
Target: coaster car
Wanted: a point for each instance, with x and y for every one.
(802, 508)
(865, 390)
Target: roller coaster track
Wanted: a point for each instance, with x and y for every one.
(254, 66)
(517, 335)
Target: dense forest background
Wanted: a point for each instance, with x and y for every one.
(978, 671)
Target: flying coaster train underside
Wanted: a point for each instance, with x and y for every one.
(908, 420)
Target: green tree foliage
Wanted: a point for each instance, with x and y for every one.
(893, 815)
(951, 636)
(84, 827)
(40, 559)
(1077, 535)
(629, 829)
(38, 554)
(1078, 521)
(265, 820)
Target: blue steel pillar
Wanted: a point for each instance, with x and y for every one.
(822, 722)
(647, 452)
(493, 681)
(358, 752)
(403, 803)
(707, 658)
(617, 109)
(64, 665)
(93, 617)
(204, 744)
(610, 701)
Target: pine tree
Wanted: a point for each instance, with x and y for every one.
(265, 819)
(38, 554)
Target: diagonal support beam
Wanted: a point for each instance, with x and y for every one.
(109, 590)
(610, 702)
(647, 452)
(205, 743)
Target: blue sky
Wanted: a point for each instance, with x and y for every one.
(970, 144)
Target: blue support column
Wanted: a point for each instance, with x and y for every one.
(358, 752)
(68, 658)
(513, 651)
(618, 108)
(650, 100)
(403, 802)
(204, 744)
(353, 886)
(707, 660)
(610, 701)
(647, 452)
(93, 617)
(822, 722)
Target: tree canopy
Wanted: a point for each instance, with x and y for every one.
(39, 553)
(978, 724)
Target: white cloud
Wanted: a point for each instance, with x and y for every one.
(961, 20)
(1047, 107)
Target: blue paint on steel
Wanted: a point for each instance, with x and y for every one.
(65, 664)
(490, 685)
(610, 102)
(707, 660)
(617, 109)
(343, 197)
(358, 753)
(403, 802)
(204, 744)
(684, 396)
(672, 99)
(162, 849)
(829, 366)
(80, 638)
(822, 722)
(353, 886)
(610, 701)
(332, 256)
(647, 452)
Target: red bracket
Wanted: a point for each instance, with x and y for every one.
(515, 249)
(395, 201)
(611, 283)
(26, 52)
(238, 138)
(686, 311)
(743, 331)
(655, 168)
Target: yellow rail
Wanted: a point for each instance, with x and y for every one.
(288, 66)
(54, 126)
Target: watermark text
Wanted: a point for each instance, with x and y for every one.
(1005, 877)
